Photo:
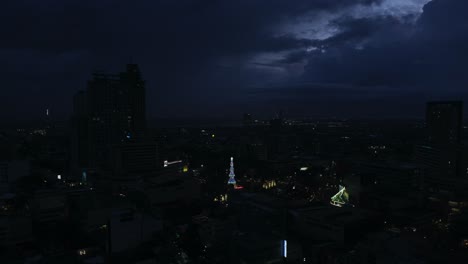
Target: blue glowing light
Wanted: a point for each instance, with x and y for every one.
(285, 248)
(84, 176)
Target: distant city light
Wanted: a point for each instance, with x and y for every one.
(221, 198)
(59, 177)
(304, 168)
(167, 163)
(269, 184)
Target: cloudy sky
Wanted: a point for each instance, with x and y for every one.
(219, 58)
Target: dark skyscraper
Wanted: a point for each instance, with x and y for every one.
(247, 119)
(442, 155)
(444, 122)
(115, 111)
(79, 134)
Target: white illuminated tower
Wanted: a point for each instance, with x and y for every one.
(232, 176)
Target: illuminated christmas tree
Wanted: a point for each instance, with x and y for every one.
(232, 176)
(341, 198)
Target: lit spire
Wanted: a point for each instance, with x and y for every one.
(232, 176)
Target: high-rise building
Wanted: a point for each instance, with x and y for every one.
(171, 185)
(258, 151)
(79, 135)
(116, 111)
(247, 120)
(134, 158)
(441, 157)
(11, 171)
(444, 122)
(112, 111)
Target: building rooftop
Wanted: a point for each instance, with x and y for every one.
(332, 215)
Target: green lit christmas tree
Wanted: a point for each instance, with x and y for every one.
(341, 198)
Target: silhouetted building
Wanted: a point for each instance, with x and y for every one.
(116, 111)
(15, 230)
(11, 171)
(247, 120)
(276, 124)
(444, 122)
(386, 185)
(258, 151)
(442, 156)
(15, 221)
(79, 135)
(111, 111)
(171, 185)
(399, 177)
(342, 226)
(134, 157)
(129, 228)
(49, 206)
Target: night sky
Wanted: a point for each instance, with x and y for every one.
(220, 58)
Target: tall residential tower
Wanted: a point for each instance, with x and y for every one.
(444, 122)
(111, 111)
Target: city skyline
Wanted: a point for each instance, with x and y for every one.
(238, 132)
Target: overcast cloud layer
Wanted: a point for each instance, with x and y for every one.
(218, 58)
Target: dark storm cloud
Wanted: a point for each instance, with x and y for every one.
(294, 57)
(413, 61)
(194, 53)
(53, 45)
(388, 51)
(69, 25)
(366, 52)
(356, 30)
